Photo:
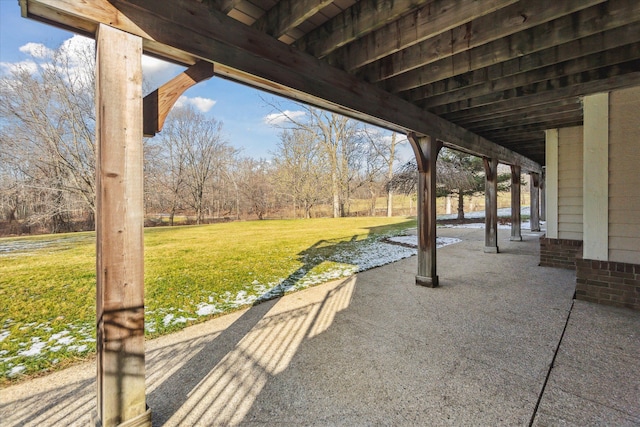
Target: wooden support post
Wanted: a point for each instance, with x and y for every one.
(543, 194)
(119, 226)
(426, 151)
(516, 234)
(491, 205)
(535, 201)
(157, 104)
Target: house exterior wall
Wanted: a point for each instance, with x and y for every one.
(570, 183)
(624, 176)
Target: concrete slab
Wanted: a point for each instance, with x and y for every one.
(595, 379)
(371, 350)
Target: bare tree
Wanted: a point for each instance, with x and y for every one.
(256, 185)
(48, 124)
(298, 172)
(193, 150)
(339, 148)
(386, 149)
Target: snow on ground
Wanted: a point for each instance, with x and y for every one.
(42, 342)
(413, 240)
(525, 210)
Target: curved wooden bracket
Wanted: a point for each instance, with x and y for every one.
(424, 150)
(157, 104)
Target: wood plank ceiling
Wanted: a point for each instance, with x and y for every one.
(503, 69)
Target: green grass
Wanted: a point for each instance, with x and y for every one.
(47, 286)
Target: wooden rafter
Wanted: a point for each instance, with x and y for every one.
(358, 20)
(601, 49)
(562, 30)
(449, 19)
(288, 14)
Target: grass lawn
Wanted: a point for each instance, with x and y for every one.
(47, 283)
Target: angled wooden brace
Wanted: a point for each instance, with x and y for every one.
(157, 104)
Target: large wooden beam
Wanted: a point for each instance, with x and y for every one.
(610, 15)
(245, 54)
(119, 222)
(445, 22)
(288, 14)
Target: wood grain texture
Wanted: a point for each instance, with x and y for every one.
(119, 226)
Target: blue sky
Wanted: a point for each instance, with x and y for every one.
(241, 109)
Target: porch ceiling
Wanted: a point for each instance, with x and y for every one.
(475, 71)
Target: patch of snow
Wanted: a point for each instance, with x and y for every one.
(207, 309)
(4, 335)
(413, 240)
(66, 340)
(16, 370)
(167, 319)
(36, 349)
(78, 348)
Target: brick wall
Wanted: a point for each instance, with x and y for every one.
(559, 252)
(608, 282)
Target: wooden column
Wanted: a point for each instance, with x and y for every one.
(426, 151)
(535, 201)
(543, 195)
(516, 234)
(491, 205)
(119, 226)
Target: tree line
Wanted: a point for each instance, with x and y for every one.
(47, 159)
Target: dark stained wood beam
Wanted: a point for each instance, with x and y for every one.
(568, 70)
(224, 6)
(610, 15)
(449, 19)
(616, 76)
(250, 56)
(360, 19)
(487, 113)
(535, 127)
(544, 117)
(501, 76)
(288, 14)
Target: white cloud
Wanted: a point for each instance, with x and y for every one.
(157, 72)
(36, 50)
(201, 104)
(276, 119)
(15, 67)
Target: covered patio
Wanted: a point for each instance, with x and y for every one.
(541, 87)
(489, 347)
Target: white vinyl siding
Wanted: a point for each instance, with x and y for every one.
(624, 176)
(570, 183)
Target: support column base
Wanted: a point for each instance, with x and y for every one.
(516, 238)
(491, 250)
(142, 420)
(429, 282)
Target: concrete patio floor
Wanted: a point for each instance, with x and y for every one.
(378, 350)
